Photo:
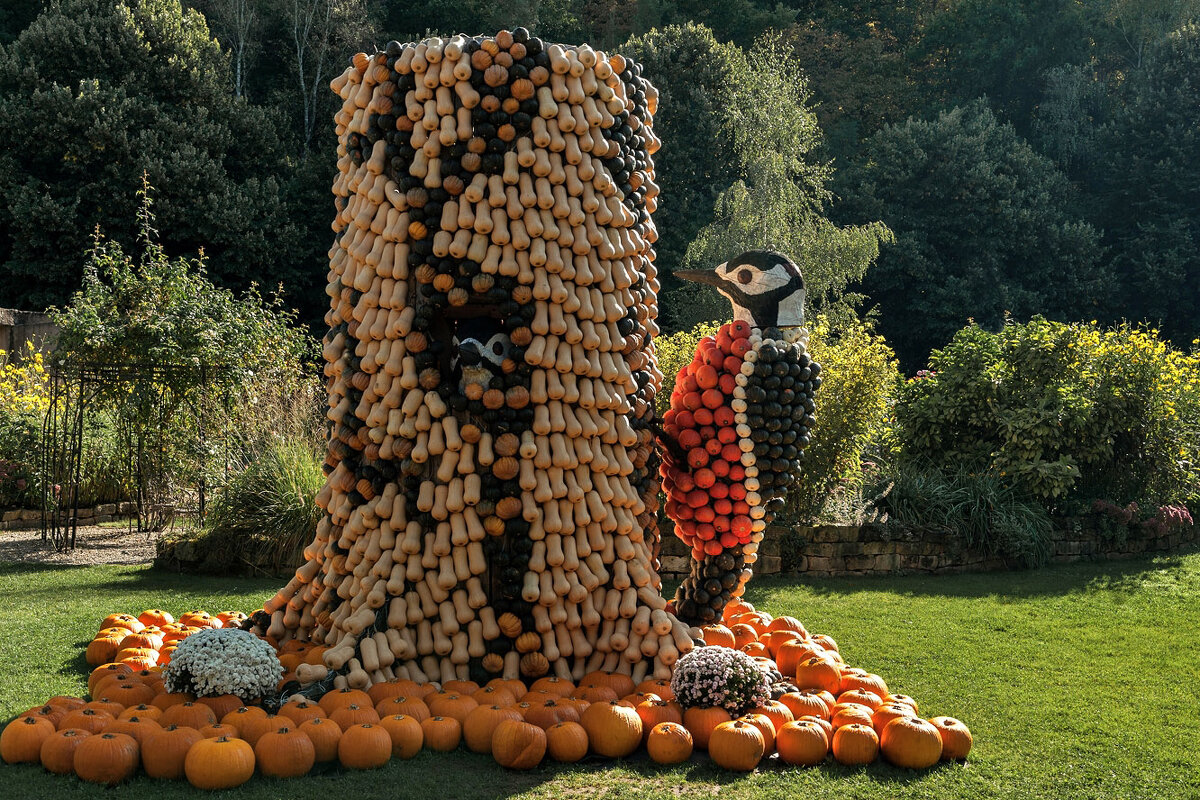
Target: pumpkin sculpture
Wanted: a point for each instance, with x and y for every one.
(491, 374)
(739, 421)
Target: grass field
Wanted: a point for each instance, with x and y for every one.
(1077, 681)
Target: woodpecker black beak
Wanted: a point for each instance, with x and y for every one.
(700, 276)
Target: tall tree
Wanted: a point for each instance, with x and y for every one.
(1151, 187)
(321, 31)
(981, 225)
(96, 93)
(236, 24)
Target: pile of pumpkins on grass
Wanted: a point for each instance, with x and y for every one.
(218, 742)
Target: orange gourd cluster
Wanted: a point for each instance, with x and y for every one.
(148, 639)
(836, 709)
(132, 723)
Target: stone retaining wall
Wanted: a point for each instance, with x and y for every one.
(24, 519)
(877, 549)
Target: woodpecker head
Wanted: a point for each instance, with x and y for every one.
(765, 288)
(480, 349)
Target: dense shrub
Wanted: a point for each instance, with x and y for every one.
(1062, 413)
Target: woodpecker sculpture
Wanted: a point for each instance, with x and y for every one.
(735, 433)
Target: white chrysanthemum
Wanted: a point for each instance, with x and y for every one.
(720, 676)
(220, 661)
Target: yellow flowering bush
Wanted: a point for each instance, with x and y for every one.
(24, 398)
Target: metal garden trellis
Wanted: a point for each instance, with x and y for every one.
(77, 390)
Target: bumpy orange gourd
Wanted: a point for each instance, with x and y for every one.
(220, 763)
(911, 742)
(736, 745)
(518, 745)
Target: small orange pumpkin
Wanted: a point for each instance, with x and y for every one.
(348, 716)
(855, 745)
(911, 742)
(164, 751)
(284, 753)
(717, 635)
(340, 698)
(566, 742)
(300, 710)
(188, 715)
(405, 733)
(442, 733)
(669, 743)
(802, 742)
(614, 730)
(518, 745)
(453, 705)
(89, 719)
(701, 721)
(818, 673)
(57, 753)
(888, 712)
(403, 704)
(325, 736)
(21, 742)
(956, 738)
(736, 745)
(220, 763)
(106, 758)
(241, 715)
(805, 703)
(365, 746)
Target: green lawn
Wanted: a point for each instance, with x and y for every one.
(1077, 681)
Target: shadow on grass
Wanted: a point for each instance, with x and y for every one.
(1048, 581)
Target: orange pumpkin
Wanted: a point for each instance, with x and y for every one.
(653, 712)
(155, 616)
(57, 753)
(221, 704)
(46, 712)
(351, 715)
(863, 680)
(786, 623)
(888, 712)
(736, 745)
(660, 687)
(442, 733)
(220, 729)
(21, 742)
(405, 733)
(220, 763)
(864, 697)
(378, 692)
(777, 712)
(253, 729)
(126, 621)
(102, 649)
(566, 742)
(284, 753)
(620, 683)
(241, 715)
(364, 746)
(822, 723)
(669, 743)
(164, 752)
(902, 698)
(480, 726)
(911, 742)
(143, 711)
(189, 715)
(551, 713)
(775, 640)
(105, 706)
(595, 693)
(956, 738)
(340, 698)
(554, 684)
(403, 704)
(614, 730)
(136, 727)
(802, 742)
(105, 671)
(453, 705)
(325, 736)
(717, 635)
(165, 700)
(765, 727)
(743, 635)
(106, 758)
(518, 745)
(701, 721)
(89, 719)
(825, 641)
(805, 703)
(855, 745)
(818, 673)
(850, 713)
(300, 710)
(493, 696)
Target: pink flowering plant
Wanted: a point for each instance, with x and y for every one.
(720, 676)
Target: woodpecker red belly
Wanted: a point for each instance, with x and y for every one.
(741, 412)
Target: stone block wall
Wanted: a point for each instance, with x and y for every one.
(26, 518)
(879, 549)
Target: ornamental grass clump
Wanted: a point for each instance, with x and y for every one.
(223, 661)
(720, 676)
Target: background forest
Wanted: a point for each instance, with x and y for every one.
(983, 157)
